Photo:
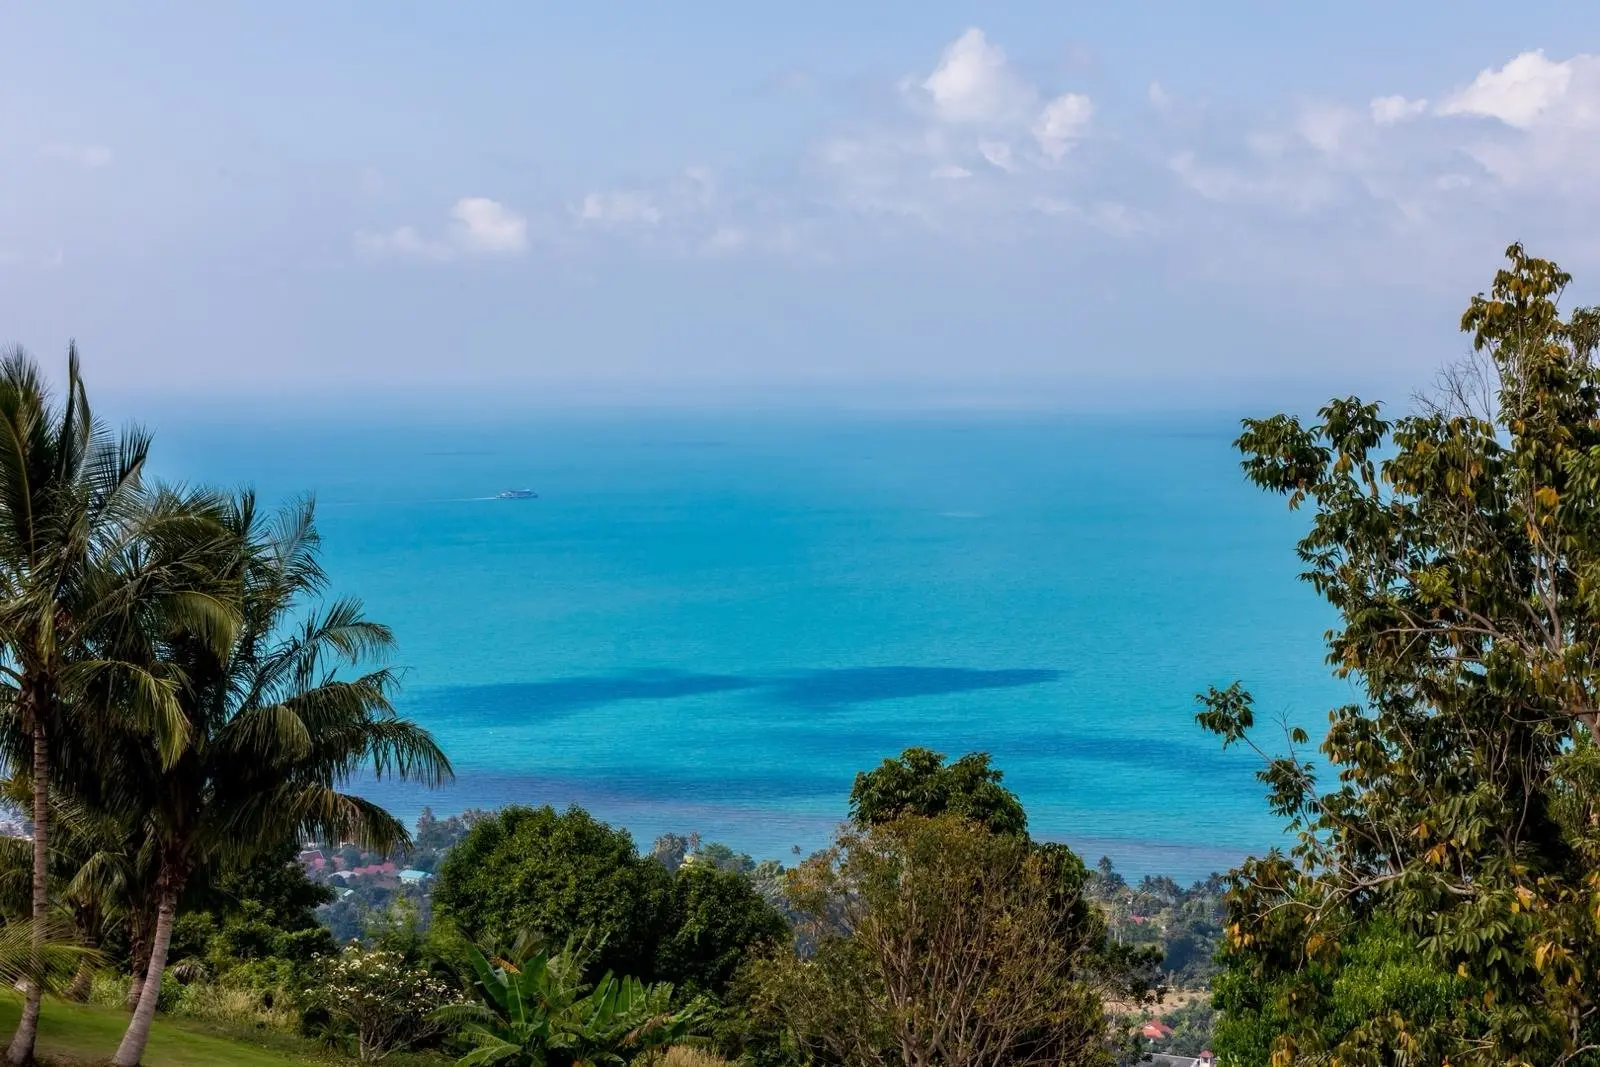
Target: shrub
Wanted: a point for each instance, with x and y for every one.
(377, 999)
(537, 1011)
(109, 989)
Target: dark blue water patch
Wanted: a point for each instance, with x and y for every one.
(523, 700)
(810, 690)
(1144, 754)
(860, 685)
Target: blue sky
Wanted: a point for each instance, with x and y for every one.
(898, 202)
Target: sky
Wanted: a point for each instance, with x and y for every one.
(901, 202)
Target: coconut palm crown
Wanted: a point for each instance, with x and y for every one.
(276, 728)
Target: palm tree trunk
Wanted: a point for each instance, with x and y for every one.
(131, 1050)
(21, 1050)
(139, 956)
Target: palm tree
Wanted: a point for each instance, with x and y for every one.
(70, 502)
(275, 729)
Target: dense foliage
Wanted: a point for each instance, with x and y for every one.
(1456, 857)
(1183, 925)
(938, 941)
(920, 782)
(564, 874)
(569, 875)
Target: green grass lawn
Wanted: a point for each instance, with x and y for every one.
(74, 1034)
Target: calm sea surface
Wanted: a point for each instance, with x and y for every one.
(710, 622)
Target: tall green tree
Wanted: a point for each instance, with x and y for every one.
(920, 782)
(275, 727)
(71, 508)
(564, 875)
(1460, 547)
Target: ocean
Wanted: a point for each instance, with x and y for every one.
(711, 621)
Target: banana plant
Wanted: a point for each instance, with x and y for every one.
(536, 1011)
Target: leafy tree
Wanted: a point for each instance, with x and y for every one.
(718, 918)
(71, 508)
(565, 875)
(919, 782)
(670, 850)
(1460, 546)
(938, 941)
(273, 728)
(1379, 973)
(537, 1011)
(434, 837)
(568, 875)
(720, 857)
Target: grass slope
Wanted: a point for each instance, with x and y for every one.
(81, 1034)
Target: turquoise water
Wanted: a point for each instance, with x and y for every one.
(710, 622)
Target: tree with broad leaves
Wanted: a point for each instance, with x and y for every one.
(1460, 547)
(920, 782)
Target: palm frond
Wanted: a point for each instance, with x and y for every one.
(52, 966)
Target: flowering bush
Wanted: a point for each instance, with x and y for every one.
(381, 1000)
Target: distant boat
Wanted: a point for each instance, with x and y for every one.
(517, 494)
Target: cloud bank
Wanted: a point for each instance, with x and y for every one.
(971, 150)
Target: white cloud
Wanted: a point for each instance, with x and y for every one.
(974, 83)
(479, 226)
(484, 225)
(972, 154)
(88, 156)
(1387, 110)
(1061, 123)
(1518, 93)
(1325, 127)
(998, 154)
(619, 208)
(1546, 133)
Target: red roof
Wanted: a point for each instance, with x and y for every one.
(1154, 1029)
(376, 868)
